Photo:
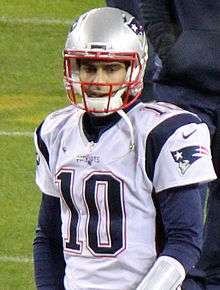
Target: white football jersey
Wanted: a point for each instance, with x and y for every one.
(105, 188)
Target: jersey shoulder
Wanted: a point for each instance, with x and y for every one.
(163, 109)
(56, 121)
(154, 114)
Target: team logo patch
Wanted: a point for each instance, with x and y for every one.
(135, 26)
(186, 156)
(88, 159)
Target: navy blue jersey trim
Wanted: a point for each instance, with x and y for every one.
(41, 145)
(159, 135)
(160, 233)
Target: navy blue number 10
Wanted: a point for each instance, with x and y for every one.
(103, 198)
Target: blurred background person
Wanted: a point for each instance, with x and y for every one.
(186, 36)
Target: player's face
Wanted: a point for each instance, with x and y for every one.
(104, 72)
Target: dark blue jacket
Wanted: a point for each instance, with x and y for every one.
(130, 6)
(186, 35)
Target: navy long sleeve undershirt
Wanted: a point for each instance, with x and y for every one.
(48, 249)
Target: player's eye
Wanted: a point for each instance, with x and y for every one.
(90, 69)
(112, 68)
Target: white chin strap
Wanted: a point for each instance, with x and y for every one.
(101, 103)
(130, 126)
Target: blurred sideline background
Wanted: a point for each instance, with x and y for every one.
(32, 36)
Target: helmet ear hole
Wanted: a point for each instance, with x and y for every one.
(105, 35)
(78, 62)
(127, 64)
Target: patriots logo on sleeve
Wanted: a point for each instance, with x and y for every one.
(186, 156)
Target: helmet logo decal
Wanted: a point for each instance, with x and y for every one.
(135, 26)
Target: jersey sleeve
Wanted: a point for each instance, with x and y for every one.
(44, 178)
(181, 153)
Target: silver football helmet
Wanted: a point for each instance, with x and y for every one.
(105, 34)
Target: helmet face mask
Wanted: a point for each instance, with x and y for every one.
(113, 99)
(84, 44)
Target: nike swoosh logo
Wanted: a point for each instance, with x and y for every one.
(185, 136)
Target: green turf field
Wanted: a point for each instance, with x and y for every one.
(32, 35)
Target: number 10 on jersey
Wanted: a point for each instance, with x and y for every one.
(103, 197)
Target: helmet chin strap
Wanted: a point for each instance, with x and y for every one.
(130, 126)
(101, 103)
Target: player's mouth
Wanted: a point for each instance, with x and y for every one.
(97, 94)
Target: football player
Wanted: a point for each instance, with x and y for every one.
(120, 179)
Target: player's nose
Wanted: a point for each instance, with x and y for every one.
(100, 76)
